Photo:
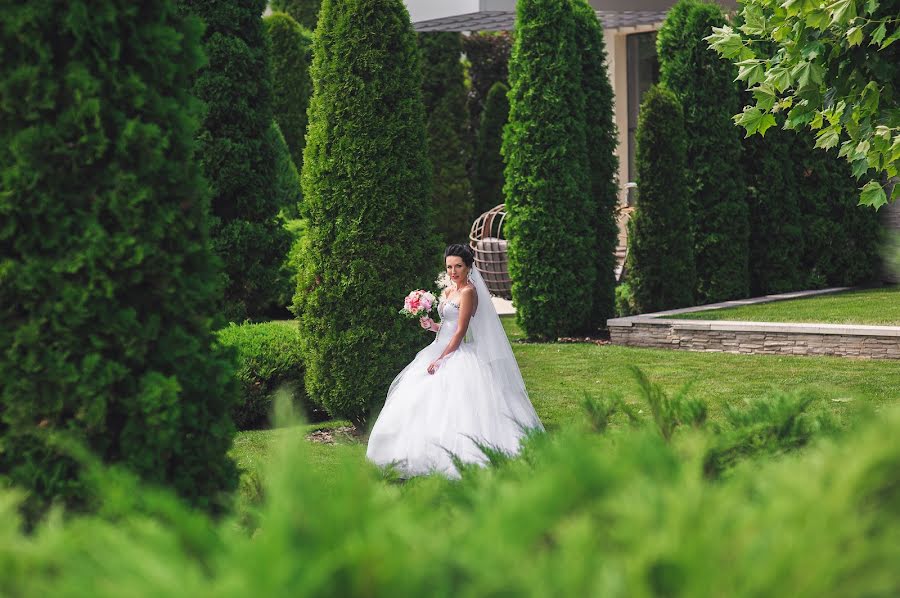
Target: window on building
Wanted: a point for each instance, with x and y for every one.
(643, 71)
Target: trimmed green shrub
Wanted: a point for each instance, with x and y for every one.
(366, 184)
(305, 12)
(625, 305)
(603, 165)
(841, 238)
(770, 426)
(107, 281)
(269, 361)
(289, 56)
(670, 412)
(776, 221)
(444, 95)
(287, 179)
(238, 158)
(487, 179)
(580, 514)
(548, 193)
(660, 264)
(487, 57)
(297, 229)
(704, 84)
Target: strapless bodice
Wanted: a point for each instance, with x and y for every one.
(449, 313)
(448, 310)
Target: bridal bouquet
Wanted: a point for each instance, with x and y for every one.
(418, 304)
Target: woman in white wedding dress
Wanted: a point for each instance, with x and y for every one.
(462, 390)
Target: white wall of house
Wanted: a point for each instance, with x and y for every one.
(617, 67)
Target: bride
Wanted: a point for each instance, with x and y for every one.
(461, 391)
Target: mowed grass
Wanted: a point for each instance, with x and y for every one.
(559, 375)
(877, 307)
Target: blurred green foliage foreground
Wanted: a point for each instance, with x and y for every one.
(777, 498)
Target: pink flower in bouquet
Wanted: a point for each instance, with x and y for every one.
(418, 304)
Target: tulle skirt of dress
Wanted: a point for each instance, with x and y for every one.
(428, 418)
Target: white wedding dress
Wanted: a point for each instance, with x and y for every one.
(476, 396)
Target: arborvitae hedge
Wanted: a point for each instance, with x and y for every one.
(487, 53)
(548, 192)
(289, 196)
(366, 183)
(305, 12)
(841, 239)
(776, 221)
(660, 265)
(108, 282)
(603, 164)
(237, 158)
(289, 56)
(444, 94)
(705, 85)
(487, 179)
(287, 179)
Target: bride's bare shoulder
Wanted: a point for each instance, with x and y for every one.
(469, 292)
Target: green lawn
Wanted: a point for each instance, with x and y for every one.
(559, 375)
(880, 307)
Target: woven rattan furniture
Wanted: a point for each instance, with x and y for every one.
(487, 241)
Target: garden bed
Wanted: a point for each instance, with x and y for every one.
(710, 327)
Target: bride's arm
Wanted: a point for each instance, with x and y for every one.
(428, 324)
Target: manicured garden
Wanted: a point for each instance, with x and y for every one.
(876, 307)
(560, 375)
(180, 177)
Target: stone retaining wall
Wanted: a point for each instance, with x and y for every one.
(688, 335)
(771, 338)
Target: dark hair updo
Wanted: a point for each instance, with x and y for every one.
(461, 251)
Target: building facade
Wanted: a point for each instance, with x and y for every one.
(630, 28)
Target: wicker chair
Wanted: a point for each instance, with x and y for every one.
(487, 241)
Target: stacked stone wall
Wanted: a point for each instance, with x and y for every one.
(675, 334)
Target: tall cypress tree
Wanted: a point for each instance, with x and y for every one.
(488, 55)
(841, 238)
(366, 183)
(660, 266)
(289, 55)
(237, 156)
(603, 165)
(287, 177)
(305, 12)
(704, 84)
(444, 94)
(548, 191)
(108, 279)
(487, 180)
(776, 220)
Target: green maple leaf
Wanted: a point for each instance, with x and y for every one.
(842, 11)
(894, 37)
(828, 137)
(755, 120)
(878, 34)
(754, 21)
(807, 73)
(818, 19)
(873, 195)
(725, 41)
(764, 96)
(751, 71)
(779, 77)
